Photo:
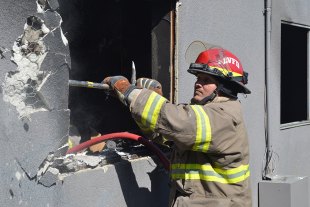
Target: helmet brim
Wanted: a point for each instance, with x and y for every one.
(241, 88)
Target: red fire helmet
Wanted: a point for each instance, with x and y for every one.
(215, 60)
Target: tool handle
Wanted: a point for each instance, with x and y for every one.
(88, 84)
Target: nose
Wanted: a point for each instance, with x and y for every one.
(198, 83)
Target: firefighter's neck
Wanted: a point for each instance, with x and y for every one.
(205, 100)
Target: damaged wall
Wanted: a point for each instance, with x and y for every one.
(34, 107)
(34, 71)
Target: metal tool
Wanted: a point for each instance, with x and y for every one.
(102, 86)
(88, 84)
(133, 74)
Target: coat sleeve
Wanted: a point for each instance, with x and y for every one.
(188, 126)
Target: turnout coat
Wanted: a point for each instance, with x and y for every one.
(210, 160)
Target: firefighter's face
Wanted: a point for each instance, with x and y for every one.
(204, 86)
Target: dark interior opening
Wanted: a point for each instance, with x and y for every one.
(294, 74)
(104, 38)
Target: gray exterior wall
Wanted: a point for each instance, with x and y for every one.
(239, 26)
(290, 145)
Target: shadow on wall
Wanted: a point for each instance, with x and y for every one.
(104, 37)
(135, 195)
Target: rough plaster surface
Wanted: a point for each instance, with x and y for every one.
(33, 99)
(19, 87)
(26, 87)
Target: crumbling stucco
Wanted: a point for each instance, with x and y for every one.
(34, 97)
(28, 52)
(22, 88)
(45, 5)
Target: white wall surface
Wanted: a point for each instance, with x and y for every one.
(237, 25)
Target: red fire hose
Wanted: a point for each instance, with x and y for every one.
(124, 135)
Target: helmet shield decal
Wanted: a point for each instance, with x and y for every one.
(195, 48)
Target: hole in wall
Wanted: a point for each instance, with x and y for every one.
(104, 38)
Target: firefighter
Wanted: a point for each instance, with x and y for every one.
(210, 160)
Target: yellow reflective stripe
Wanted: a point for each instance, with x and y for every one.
(203, 129)
(198, 129)
(232, 171)
(90, 84)
(225, 71)
(156, 112)
(209, 167)
(211, 178)
(147, 108)
(208, 173)
(151, 110)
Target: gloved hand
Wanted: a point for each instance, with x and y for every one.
(151, 84)
(121, 87)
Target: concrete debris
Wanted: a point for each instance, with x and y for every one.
(34, 30)
(91, 161)
(73, 163)
(56, 166)
(58, 161)
(50, 177)
(50, 157)
(42, 6)
(45, 165)
(45, 5)
(66, 164)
